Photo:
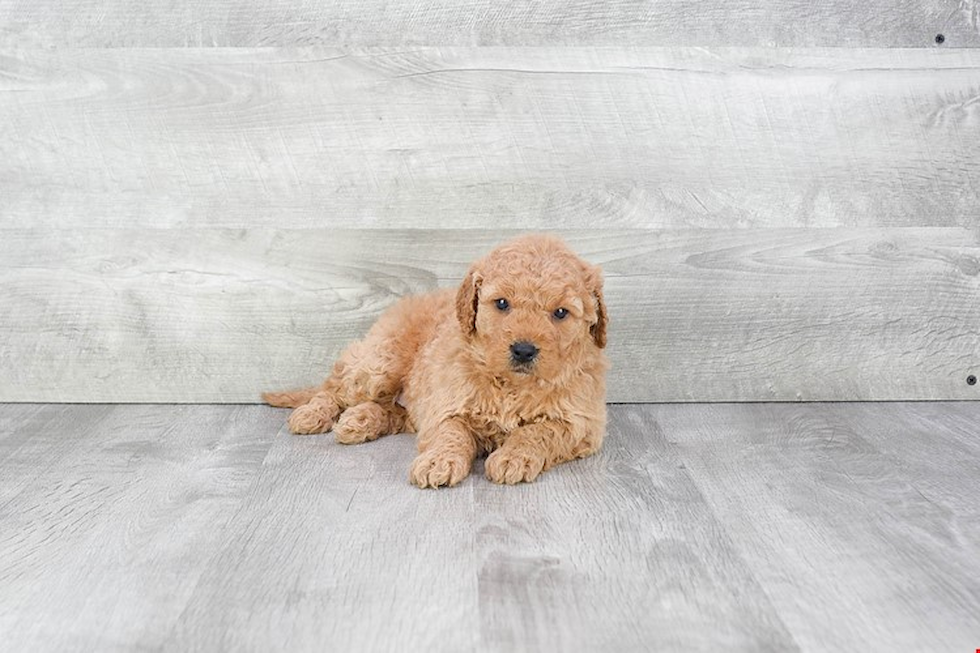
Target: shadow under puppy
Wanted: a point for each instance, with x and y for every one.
(509, 364)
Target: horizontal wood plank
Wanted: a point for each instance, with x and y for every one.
(155, 23)
(541, 138)
(216, 315)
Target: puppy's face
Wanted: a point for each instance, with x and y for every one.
(531, 309)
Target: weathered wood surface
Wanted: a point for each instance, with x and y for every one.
(616, 553)
(32, 441)
(511, 137)
(107, 521)
(698, 527)
(154, 23)
(211, 315)
(826, 514)
(365, 562)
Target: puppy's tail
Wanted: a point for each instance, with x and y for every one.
(290, 398)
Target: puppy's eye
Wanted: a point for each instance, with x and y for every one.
(560, 313)
(501, 304)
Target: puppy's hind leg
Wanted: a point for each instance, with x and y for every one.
(315, 416)
(368, 421)
(360, 391)
(316, 409)
(369, 371)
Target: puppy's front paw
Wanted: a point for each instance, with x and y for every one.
(310, 418)
(512, 466)
(437, 468)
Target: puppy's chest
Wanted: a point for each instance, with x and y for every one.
(494, 417)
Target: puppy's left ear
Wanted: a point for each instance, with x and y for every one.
(467, 300)
(598, 328)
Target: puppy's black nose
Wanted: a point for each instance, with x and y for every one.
(523, 352)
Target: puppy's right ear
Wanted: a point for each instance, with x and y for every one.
(467, 299)
(598, 329)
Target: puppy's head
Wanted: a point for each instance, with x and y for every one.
(532, 308)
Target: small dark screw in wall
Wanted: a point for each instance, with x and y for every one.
(971, 380)
(940, 39)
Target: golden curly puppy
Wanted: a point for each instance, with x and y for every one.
(510, 364)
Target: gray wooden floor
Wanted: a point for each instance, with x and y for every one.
(837, 527)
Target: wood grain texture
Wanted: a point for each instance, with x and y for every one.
(616, 553)
(852, 545)
(125, 23)
(34, 439)
(947, 476)
(210, 315)
(13, 416)
(697, 527)
(102, 548)
(332, 549)
(512, 137)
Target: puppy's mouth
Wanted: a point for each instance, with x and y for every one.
(522, 368)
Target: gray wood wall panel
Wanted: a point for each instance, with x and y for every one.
(156, 23)
(215, 315)
(471, 137)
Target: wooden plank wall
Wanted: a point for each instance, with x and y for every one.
(202, 200)
(289, 23)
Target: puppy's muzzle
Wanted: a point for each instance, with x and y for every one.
(522, 354)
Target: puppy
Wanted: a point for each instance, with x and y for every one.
(511, 364)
